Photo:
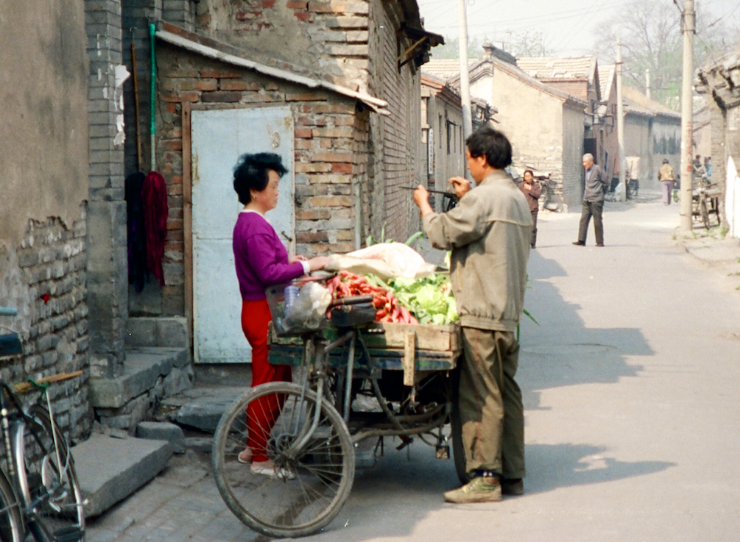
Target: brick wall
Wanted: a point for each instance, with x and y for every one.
(329, 37)
(331, 160)
(107, 277)
(394, 145)
(45, 277)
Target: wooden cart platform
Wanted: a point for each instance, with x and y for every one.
(402, 347)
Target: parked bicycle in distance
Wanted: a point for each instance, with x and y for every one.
(39, 491)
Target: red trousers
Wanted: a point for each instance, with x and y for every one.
(261, 414)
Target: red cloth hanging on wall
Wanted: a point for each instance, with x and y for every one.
(154, 201)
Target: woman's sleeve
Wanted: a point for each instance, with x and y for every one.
(264, 263)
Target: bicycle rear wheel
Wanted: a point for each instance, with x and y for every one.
(11, 524)
(49, 481)
(308, 486)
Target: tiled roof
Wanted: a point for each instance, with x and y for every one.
(446, 68)
(558, 68)
(606, 79)
(638, 102)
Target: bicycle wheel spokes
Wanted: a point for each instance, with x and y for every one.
(51, 480)
(303, 489)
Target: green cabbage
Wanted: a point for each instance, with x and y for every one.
(432, 299)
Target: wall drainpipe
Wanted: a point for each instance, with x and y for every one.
(153, 96)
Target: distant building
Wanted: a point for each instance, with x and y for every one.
(546, 125)
(442, 153)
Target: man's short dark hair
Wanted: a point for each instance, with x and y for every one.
(251, 173)
(492, 144)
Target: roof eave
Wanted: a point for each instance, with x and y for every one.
(180, 37)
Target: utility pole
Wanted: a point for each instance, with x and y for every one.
(648, 93)
(622, 187)
(687, 120)
(462, 21)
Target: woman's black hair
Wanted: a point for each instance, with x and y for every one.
(251, 173)
(492, 144)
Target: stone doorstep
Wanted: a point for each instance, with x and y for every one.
(140, 372)
(110, 469)
(156, 332)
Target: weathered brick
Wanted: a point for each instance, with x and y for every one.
(332, 157)
(313, 168)
(341, 168)
(230, 84)
(343, 131)
(330, 201)
(305, 97)
(296, 5)
(312, 237)
(218, 74)
(221, 97)
(303, 133)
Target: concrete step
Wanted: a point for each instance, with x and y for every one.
(110, 469)
(169, 332)
(204, 412)
(142, 368)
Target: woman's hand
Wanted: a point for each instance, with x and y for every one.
(317, 263)
(296, 259)
(461, 186)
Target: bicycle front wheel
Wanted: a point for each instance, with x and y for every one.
(49, 481)
(11, 524)
(307, 487)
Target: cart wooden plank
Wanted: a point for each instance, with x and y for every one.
(386, 359)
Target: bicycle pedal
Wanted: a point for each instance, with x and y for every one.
(443, 452)
(68, 534)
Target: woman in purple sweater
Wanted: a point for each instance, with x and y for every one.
(261, 261)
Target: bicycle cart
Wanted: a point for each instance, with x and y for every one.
(355, 380)
(705, 201)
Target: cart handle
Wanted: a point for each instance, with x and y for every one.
(8, 311)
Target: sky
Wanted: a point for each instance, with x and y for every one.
(569, 26)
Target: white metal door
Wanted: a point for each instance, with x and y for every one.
(218, 139)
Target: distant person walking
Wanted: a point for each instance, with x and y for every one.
(593, 201)
(667, 177)
(531, 190)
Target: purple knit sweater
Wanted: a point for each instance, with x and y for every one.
(260, 257)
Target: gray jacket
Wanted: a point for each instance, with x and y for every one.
(597, 184)
(489, 233)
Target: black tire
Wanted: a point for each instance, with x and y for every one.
(11, 524)
(323, 471)
(458, 449)
(49, 477)
(704, 213)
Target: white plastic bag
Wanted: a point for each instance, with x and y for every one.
(309, 309)
(386, 260)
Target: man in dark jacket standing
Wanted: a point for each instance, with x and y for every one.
(593, 201)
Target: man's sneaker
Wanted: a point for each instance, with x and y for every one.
(512, 486)
(481, 489)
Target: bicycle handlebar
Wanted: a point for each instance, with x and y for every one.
(8, 311)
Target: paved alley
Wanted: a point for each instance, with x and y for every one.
(630, 383)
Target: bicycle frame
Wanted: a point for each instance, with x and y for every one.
(316, 361)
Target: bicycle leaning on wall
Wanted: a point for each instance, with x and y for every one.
(39, 491)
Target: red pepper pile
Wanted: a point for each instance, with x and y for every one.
(347, 284)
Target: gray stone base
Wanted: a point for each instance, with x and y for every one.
(150, 375)
(147, 332)
(110, 469)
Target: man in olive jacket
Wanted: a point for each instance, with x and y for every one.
(489, 234)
